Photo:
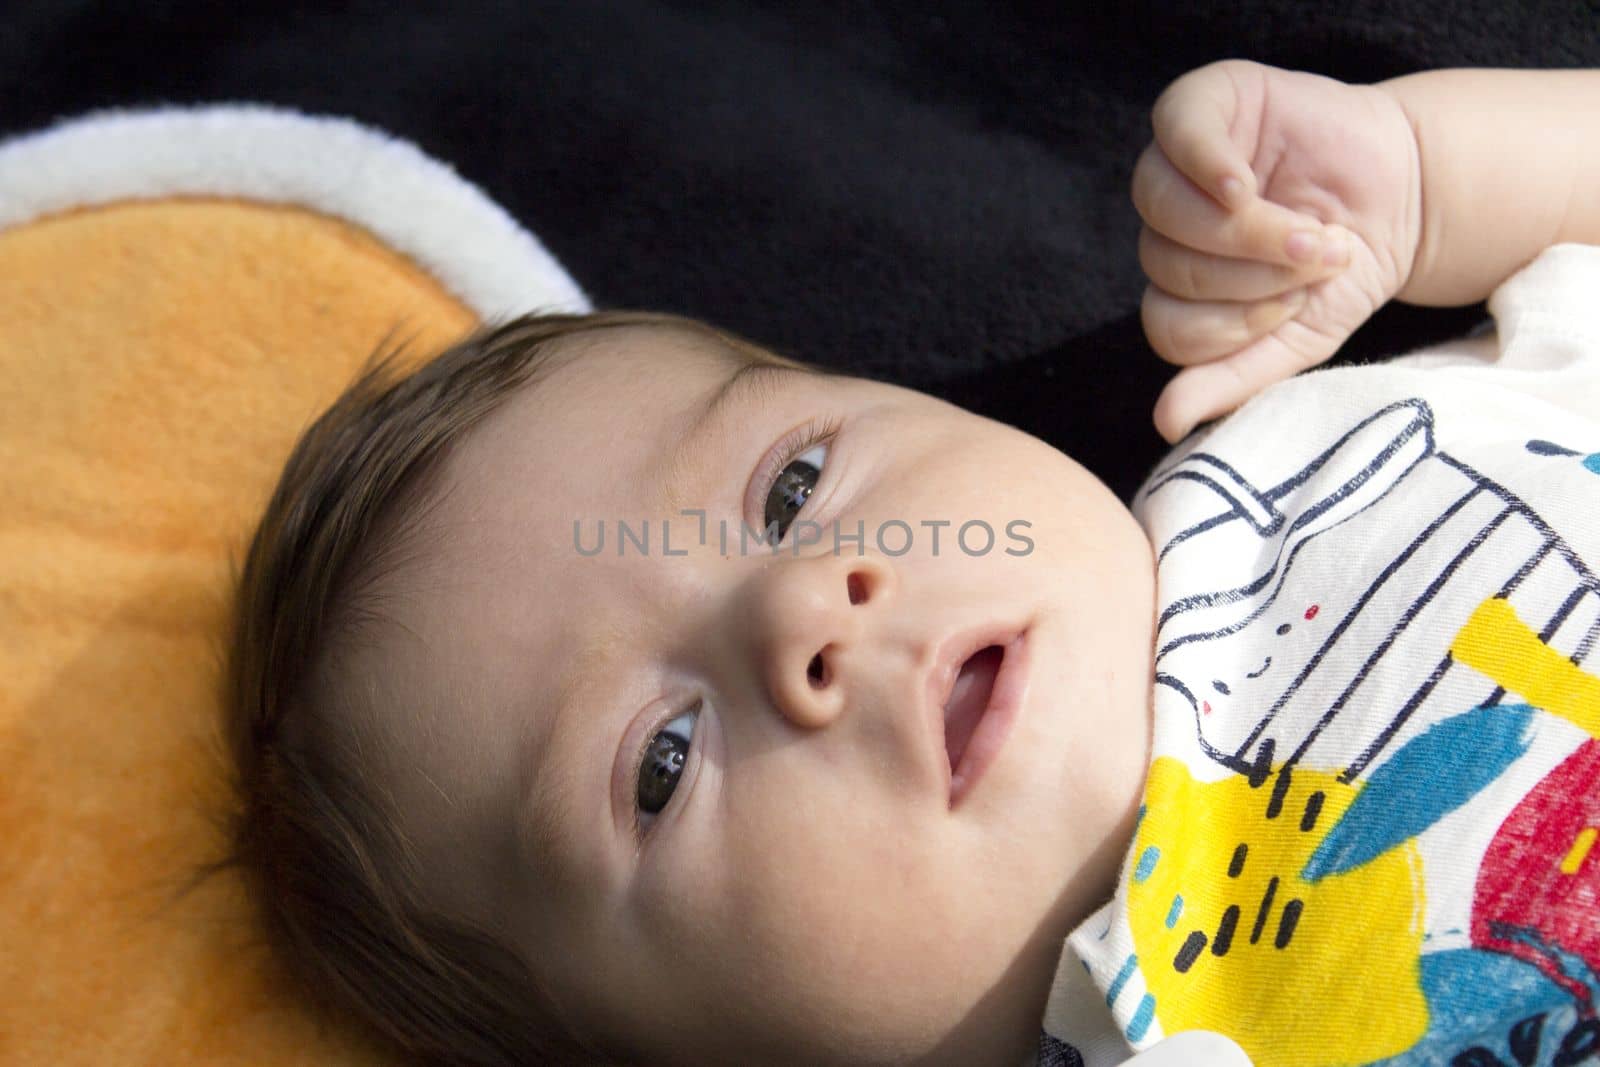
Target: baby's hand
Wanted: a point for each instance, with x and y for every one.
(1233, 298)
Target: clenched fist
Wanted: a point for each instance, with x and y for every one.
(1281, 209)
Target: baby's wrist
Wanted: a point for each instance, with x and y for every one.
(1501, 157)
(1412, 246)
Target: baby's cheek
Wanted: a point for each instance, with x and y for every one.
(804, 923)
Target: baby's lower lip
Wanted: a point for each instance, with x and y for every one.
(1005, 703)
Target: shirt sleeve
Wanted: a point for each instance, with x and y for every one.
(1077, 1012)
(1545, 335)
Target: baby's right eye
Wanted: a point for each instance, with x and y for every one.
(662, 764)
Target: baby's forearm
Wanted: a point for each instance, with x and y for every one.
(1510, 165)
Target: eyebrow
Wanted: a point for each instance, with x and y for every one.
(547, 804)
(753, 382)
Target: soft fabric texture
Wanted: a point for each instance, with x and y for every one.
(937, 194)
(180, 295)
(1368, 830)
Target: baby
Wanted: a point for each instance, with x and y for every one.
(611, 690)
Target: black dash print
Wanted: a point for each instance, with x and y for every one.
(1265, 909)
(1313, 809)
(1219, 686)
(1549, 448)
(1193, 945)
(1224, 938)
(1236, 864)
(1283, 628)
(1279, 789)
(1263, 764)
(1291, 915)
(1262, 670)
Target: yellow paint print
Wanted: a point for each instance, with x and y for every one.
(1579, 850)
(1230, 938)
(1503, 647)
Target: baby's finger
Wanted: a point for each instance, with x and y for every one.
(1258, 229)
(1187, 332)
(1191, 275)
(1208, 390)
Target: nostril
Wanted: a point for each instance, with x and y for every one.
(858, 588)
(817, 671)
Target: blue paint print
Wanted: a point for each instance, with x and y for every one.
(1436, 772)
(1174, 911)
(1121, 979)
(1570, 964)
(1142, 1018)
(1147, 863)
(1470, 994)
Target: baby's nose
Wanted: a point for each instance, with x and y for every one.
(809, 611)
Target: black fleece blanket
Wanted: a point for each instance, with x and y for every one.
(932, 194)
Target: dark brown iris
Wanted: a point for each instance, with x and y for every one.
(788, 495)
(658, 773)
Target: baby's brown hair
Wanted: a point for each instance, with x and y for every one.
(314, 834)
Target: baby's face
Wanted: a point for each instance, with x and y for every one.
(796, 878)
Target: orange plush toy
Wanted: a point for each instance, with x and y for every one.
(182, 291)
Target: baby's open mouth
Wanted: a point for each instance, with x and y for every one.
(969, 699)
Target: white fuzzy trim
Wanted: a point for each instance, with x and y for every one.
(412, 202)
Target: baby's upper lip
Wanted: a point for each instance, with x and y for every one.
(948, 656)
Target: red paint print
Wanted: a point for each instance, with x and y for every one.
(1311, 612)
(1521, 887)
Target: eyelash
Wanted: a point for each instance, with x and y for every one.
(795, 443)
(697, 706)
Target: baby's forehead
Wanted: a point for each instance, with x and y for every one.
(614, 388)
(591, 425)
(640, 358)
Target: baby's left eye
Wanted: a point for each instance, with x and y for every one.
(791, 488)
(662, 764)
